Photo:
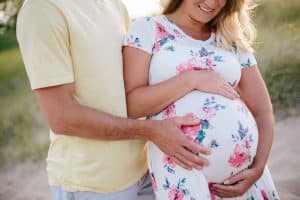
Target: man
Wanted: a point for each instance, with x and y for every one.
(73, 56)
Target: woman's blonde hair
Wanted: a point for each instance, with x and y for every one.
(233, 25)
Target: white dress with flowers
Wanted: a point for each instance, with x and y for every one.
(227, 126)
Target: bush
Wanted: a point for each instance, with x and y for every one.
(19, 115)
(278, 48)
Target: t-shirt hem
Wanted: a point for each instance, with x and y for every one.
(72, 187)
(140, 48)
(51, 82)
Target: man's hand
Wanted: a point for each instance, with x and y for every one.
(170, 139)
(238, 184)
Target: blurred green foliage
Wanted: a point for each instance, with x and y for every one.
(278, 51)
(18, 108)
(278, 55)
(8, 14)
(8, 40)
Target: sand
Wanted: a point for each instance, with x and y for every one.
(28, 181)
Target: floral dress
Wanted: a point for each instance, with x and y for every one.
(227, 127)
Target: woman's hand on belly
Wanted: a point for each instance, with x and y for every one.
(238, 184)
(212, 82)
(169, 138)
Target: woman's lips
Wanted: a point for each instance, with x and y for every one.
(205, 9)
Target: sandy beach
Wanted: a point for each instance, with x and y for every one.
(28, 181)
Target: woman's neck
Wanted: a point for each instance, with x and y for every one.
(189, 25)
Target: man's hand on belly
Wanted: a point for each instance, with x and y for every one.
(170, 139)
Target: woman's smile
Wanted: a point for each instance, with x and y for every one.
(205, 9)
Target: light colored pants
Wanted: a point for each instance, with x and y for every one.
(141, 190)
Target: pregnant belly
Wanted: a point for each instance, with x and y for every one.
(227, 127)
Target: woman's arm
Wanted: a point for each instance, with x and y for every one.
(144, 100)
(254, 93)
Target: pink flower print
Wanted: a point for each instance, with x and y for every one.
(169, 161)
(153, 182)
(240, 155)
(191, 131)
(182, 68)
(264, 195)
(169, 111)
(161, 33)
(175, 194)
(208, 63)
(209, 112)
(188, 66)
(191, 64)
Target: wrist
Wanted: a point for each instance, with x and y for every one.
(190, 79)
(258, 170)
(150, 127)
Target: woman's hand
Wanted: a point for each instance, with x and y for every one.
(212, 82)
(238, 184)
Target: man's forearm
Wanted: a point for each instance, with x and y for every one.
(81, 121)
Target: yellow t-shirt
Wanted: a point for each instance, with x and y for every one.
(65, 41)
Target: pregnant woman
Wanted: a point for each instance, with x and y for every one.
(190, 62)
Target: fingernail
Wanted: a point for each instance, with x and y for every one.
(226, 182)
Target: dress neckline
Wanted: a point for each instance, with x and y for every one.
(207, 41)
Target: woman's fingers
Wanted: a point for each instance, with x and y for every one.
(229, 92)
(221, 194)
(236, 178)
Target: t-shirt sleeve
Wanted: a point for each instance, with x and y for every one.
(141, 35)
(247, 59)
(126, 16)
(44, 43)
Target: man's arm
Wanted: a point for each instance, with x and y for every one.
(66, 116)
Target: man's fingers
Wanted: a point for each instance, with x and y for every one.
(182, 164)
(186, 121)
(186, 163)
(195, 160)
(196, 147)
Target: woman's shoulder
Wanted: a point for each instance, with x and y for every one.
(148, 20)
